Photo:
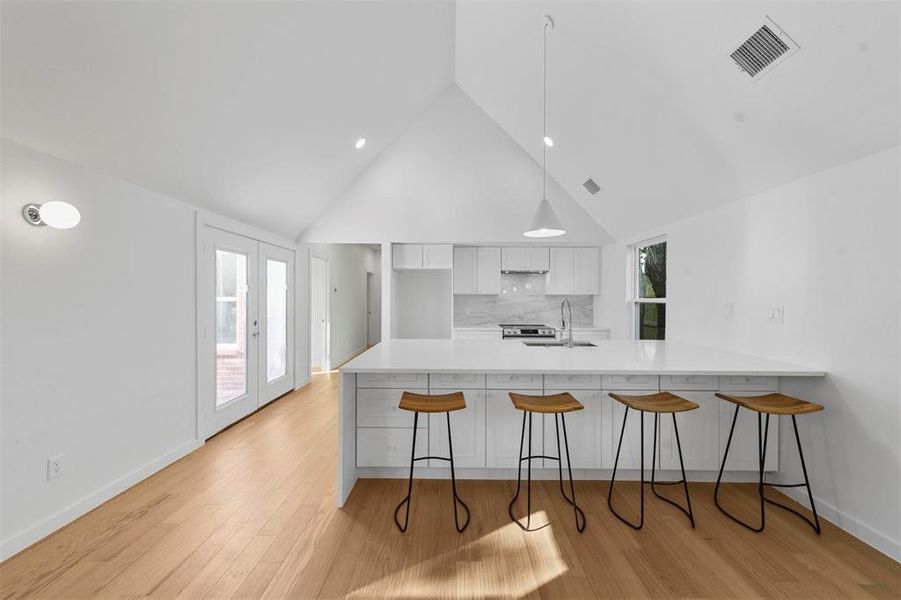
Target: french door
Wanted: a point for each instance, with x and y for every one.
(245, 297)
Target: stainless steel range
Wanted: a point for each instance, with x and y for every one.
(519, 331)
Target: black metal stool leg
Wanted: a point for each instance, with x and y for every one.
(450, 447)
(572, 487)
(815, 523)
(683, 481)
(406, 500)
(522, 438)
(719, 478)
(616, 463)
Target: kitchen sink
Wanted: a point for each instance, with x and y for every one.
(558, 344)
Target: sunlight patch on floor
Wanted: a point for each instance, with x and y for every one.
(506, 563)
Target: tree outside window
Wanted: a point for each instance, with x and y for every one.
(650, 290)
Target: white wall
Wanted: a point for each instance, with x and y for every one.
(98, 342)
(453, 176)
(423, 306)
(348, 264)
(826, 249)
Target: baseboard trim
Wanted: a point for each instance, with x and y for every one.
(844, 521)
(302, 383)
(35, 533)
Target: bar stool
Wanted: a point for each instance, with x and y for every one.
(769, 404)
(423, 403)
(557, 405)
(660, 403)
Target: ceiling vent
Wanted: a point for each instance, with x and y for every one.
(592, 187)
(766, 48)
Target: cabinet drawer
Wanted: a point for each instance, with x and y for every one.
(514, 381)
(454, 381)
(631, 382)
(688, 382)
(392, 380)
(748, 382)
(378, 408)
(572, 382)
(389, 447)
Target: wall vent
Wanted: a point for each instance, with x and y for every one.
(766, 48)
(592, 187)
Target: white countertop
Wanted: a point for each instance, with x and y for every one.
(611, 357)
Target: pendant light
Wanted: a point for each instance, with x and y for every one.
(546, 223)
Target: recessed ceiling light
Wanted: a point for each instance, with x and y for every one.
(548, 142)
(360, 143)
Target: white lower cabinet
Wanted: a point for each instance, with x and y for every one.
(699, 432)
(583, 430)
(630, 454)
(504, 428)
(467, 428)
(378, 408)
(390, 446)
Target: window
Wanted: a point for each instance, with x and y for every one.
(650, 290)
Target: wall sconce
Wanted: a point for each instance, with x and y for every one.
(56, 214)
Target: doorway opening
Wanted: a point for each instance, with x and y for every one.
(319, 314)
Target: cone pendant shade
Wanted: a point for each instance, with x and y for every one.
(545, 223)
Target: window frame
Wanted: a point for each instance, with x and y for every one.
(635, 280)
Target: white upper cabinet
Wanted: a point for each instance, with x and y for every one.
(466, 270)
(525, 258)
(489, 271)
(477, 270)
(586, 271)
(422, 256)
(437, 256)
(574, 271)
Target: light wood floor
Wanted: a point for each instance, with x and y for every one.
(252, 514)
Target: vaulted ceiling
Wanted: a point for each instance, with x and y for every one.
(247, 108)
(251, 109)
(644, 98)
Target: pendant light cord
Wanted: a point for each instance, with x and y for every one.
(547, 23)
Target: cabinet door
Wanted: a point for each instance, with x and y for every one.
(586, 271)
(407, 256)
(560, 276)
(514, 259)
(505, 426)
(699, 432)
(630, 455)
(583, 429)
(389, 446)
(743, 452)
(539, 259)
(466, 271)
(489, 271)
(437, 256)
(467, 427)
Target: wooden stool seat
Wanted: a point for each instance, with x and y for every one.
(663, 402)
(773, 404)
(553, 404)
(436, 403)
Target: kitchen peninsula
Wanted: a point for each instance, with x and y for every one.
(375, 436)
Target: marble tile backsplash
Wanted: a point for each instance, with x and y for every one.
(522, 300)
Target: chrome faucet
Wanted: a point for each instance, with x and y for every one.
(567, 325)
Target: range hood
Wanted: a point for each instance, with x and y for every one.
(524, 271)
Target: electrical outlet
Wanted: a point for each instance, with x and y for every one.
(776, 314)
(55, 466)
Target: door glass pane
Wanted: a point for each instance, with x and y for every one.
(276, 319)
(652, 271)
(651, 321)
(231, 326)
